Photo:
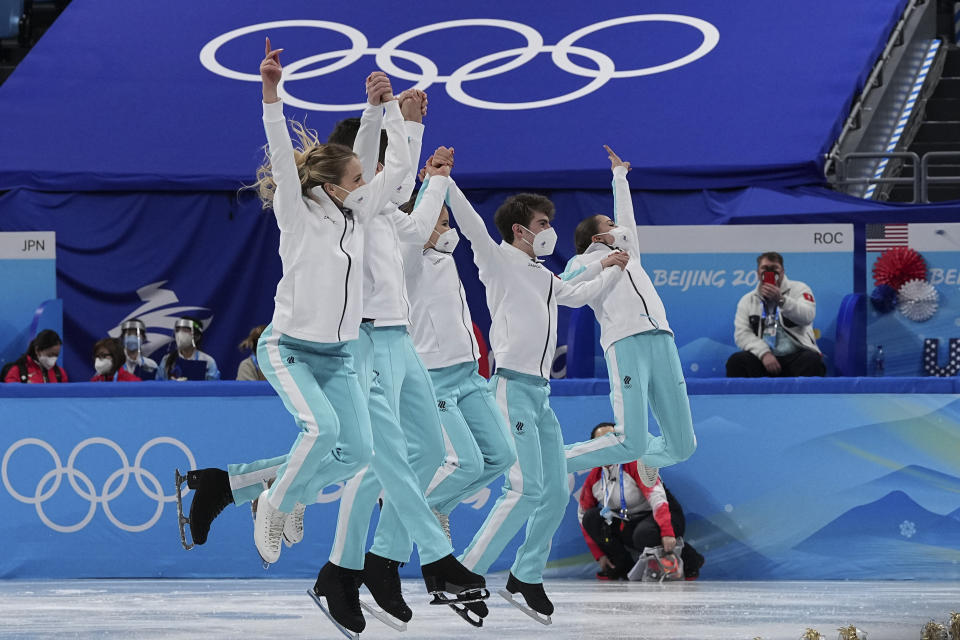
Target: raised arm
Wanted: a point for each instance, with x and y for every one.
(367, 143)
(583, 291)
(622, 200)
(390, 181)
(798, 305)
(417, 227)
(413, 106)
(471, 225)
(283, 167)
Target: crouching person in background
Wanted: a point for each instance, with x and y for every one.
(619, 515)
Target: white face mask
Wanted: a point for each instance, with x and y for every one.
(47, 362)
(184, 340)
(621, 238)
(354, 200)
(544, 242)
(447, 241)
(103, 365)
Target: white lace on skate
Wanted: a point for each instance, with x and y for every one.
(648, 475)
(268, 529)
(444, 521)
(293, 527)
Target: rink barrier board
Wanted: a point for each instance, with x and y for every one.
(792, 479)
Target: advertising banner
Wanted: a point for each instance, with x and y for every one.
(913, 317)
(701, 272)
(838, 485)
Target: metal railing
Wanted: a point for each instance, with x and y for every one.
(843, 170)
(920, 181)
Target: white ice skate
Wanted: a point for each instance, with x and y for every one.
(293, 527)
(268, 529)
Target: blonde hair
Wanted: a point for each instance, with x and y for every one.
(317, 163)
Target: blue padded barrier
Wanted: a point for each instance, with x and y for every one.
(869, 473)
(849, 352)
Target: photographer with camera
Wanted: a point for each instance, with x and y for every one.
(774, 327)
(618, 514)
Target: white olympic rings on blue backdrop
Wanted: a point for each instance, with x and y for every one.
(51, 481)
(430, 74)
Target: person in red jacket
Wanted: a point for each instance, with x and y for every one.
(108, 360)
(641, 517)
(39, 363)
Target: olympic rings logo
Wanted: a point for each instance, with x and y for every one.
(430, 74)
(83, 486)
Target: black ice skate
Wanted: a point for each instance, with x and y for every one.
(448, 575)
(382, 578)
(476, 607)
(211, 495)
(339, 587)
(538, 605)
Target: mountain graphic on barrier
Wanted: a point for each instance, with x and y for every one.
(895, 535)
(728, 557)
(932, 490)
(705, 357)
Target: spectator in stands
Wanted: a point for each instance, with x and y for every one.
(133, 333)
(249, 369)
(185, 361)
(641, 517)
(39, 363)
(108, 361)
(774, 326)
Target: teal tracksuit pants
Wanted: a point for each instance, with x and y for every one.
(319, 386)
(645, 372)
(407, 454)
(535, 492)
(477, 443)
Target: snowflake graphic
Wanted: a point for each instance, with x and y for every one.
(907, 529)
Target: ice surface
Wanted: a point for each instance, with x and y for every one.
(271, 608)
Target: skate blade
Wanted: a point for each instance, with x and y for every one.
(383, 616)
(467, 595)
(182, 519)
(542, 619)
(464, 613)
(343, 630)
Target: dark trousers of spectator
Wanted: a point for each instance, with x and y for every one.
(616, 539)
(804, 362)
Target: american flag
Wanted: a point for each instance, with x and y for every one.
(881, 237)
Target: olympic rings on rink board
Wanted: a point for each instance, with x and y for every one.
(429, 74)
(51, 481)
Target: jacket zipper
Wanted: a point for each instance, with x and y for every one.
(549, 327)
(463, 304)
(346, 279)
(646, 312)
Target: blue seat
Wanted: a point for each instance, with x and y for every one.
(850, 349)
(10, 12)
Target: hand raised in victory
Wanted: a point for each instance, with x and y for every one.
(615, 160)
(379, 89)
(270, 72)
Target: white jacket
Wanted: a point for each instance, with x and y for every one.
(319, 297)
(797, 312)
(440, 321)
(522, 294)
(385, 297)
(632, 305)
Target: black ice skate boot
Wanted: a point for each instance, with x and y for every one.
(211, 495)
(382, 578)
(447, 574)
(339, 587)
(538, 606)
